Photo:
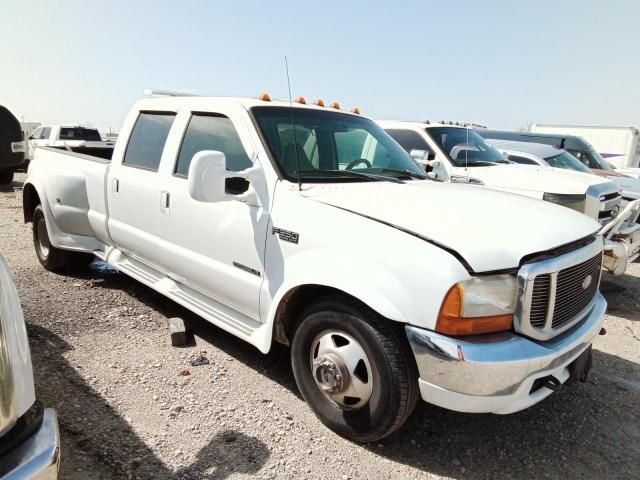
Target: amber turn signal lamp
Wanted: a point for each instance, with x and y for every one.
(265, 97)
(301, 100)
(451, 322)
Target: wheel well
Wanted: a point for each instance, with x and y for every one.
(30, 200)
(292, 304)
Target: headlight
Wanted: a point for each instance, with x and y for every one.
(575, 202)
(479, 305)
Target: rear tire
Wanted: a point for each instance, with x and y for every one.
(52, 258)
(365, 403)
(6, 176)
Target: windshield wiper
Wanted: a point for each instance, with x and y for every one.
(407, 173)
(479, 163)
(351, 173)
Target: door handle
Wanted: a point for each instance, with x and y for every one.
(115, 187)
(165, 202)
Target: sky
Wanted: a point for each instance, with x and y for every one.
(503, 64)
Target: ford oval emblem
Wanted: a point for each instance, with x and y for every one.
(586, 282)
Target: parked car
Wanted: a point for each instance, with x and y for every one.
(575, 145)
(454, 153)
(310, 226)
(29, 439)
(618, 145)
(527, 153)
(12, 146)
(68, 137)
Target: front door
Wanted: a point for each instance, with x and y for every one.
(216, 248)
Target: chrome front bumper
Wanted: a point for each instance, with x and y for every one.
(495, 373)
(38, 457)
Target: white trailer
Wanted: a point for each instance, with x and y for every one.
(618, 145)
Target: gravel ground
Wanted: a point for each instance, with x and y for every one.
(132, 406)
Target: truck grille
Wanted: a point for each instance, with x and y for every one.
(555, 293)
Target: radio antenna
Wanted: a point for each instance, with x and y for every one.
(293, 124)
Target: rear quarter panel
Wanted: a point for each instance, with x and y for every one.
(71, 188)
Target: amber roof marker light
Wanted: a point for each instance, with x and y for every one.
(265, 97)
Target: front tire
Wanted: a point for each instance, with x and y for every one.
(52, 258)
(354, 369)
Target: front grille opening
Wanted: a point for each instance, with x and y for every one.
(572, 293)
(540, 301)
(576, 286)
(604, 214)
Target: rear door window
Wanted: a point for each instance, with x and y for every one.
(147, 140)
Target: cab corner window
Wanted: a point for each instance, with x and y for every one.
(147, 140)
(211, 132)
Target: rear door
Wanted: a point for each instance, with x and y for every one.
(133, 188)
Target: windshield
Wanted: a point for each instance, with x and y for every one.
(590, 158)
(80, 133)
(328, 144)
(464, 147)
(568, 161)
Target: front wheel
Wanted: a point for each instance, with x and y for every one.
(354, 369)
(52, 258)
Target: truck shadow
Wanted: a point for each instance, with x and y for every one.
(94, 430)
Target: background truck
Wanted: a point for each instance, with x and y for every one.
(310, 226)
(455, 153)
(617, 145)
(29, 438)
(74, 138)
(12, 146)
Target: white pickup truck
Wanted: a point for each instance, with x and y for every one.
(311, 227)
(69, 137)
(29, 438)
(456, 154)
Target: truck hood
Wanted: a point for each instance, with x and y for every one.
(532, 180)
(491, 230)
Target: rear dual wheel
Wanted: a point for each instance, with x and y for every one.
(52, 258)
(354, 369)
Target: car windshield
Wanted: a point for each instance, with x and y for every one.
(464, 147)
(588, 156)
(568, 161)
(79, 133)
(332, 146)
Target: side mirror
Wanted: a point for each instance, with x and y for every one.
(210, 181)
